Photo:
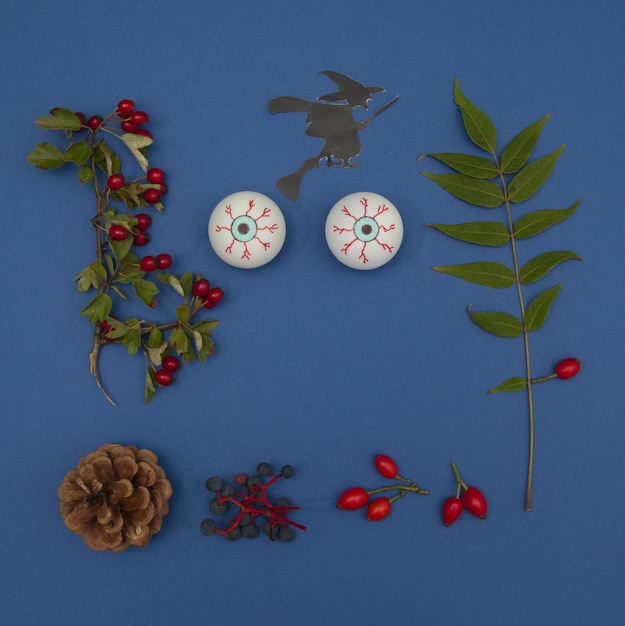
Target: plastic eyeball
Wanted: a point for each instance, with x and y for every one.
(364, 230)
(246, 229)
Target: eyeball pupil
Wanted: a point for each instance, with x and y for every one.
(243, 229)
(366, 229)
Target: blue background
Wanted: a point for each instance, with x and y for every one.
(318, 365)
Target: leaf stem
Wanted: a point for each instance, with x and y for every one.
(530, 396)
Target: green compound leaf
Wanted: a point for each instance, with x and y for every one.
(92, 276)
(78, 153)
(132, 339)
(516, 153)
(480, 129)
(145, 290)
(511, 384)
(46, 156)
(98, 309)
(484, 273)
(537, 221)
(498, 323)
(539, 266)
(482, 233)
(59, 119)
(536, 313)
(532, 177)
(469, 164)
(472, 190)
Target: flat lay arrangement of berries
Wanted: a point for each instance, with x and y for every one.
(504, 180)
(248, 505)
(380, 506)
(119, 270)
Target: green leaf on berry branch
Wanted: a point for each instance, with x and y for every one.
(78, 153)
(472, 190)
(539, 266)
(59, 119)
(537, 311)
(498, 323)
(538, 221)
(92, 276)
(98, 309)
(482, 233)
(478, 125)
(46, 156)
(484, 273)
(532, 177)
(511, 384)
(85, 174)
(134, 144)
(516, 153)
(145, 290)
(469, 164)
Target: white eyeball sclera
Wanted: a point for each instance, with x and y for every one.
(246, 229)
(364, 230)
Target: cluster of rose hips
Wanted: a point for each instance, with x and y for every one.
(251, 504)
(131, 121)
(380, 507)
(472, 500)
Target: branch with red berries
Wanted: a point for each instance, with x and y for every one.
(117, 270)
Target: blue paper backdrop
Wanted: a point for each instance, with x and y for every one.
(318, 365)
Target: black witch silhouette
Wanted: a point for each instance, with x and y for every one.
(331, 120)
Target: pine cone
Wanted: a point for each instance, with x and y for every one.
(115, 498)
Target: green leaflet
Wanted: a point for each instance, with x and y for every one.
(539, 266)
(98, 309)
(134, 144)
(516, 153)
(481, 233)
(537, 221)
(484, 273)
(498, 323)
(473, 190)
(145, 290)
(78, 153)
(536, 313)
(532, 177)
(46, 156)
(469, 164)
(480, 129)
(59, 119)
(511, 384)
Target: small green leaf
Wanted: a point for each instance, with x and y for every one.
(118, 328)
(480, 129)
(484, 273)
(537, 311)
(98, 309)
(121, 249)
(46, 156)
(156, 353)
(205, 326)
(156, 338)
(85, 174)
(516, 153)
(145, 290)
(134, 144)
(186, 281)
(481, 233)
(469, 164)
(472, 190)
(150, 388)
(78, 153)
(498, 323)
(132, 339)
(92, 276)
(106, 159)
(512, 384)
(539, 266)
(179, 341)
(59, 119)
(183, 313)
(532, 177)
(537, 221)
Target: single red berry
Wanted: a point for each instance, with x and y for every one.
(163, 261)
(163, 189)
(83, 120)
(164, 377)
(106, 329)
(200, 288)
(140, 238)
(94, 121)
(129, 127)
(452, 509)
(152, 196)
(143, 132)
(567, 368)
(115, 181)
(378, 509)
(143, 221)
(215, 295)
(118, 232)
(148, 264)
(139, 117)
(125, 108)
(171, 363)
(240, 479)
(475, 502)
(386, 466)
(353, 499)
(155, 175)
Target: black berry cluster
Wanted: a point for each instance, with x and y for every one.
(250, 507)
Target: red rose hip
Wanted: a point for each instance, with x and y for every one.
(475, 502)
(125, 107)
(200, 288)
(386, 466)
(164, 378)
(452, 509)
(378, 509)
(148, 264)
(118, 232)
(353, 499)
(163, 261)
(567, 368)
(115, 181)
(171, 363)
